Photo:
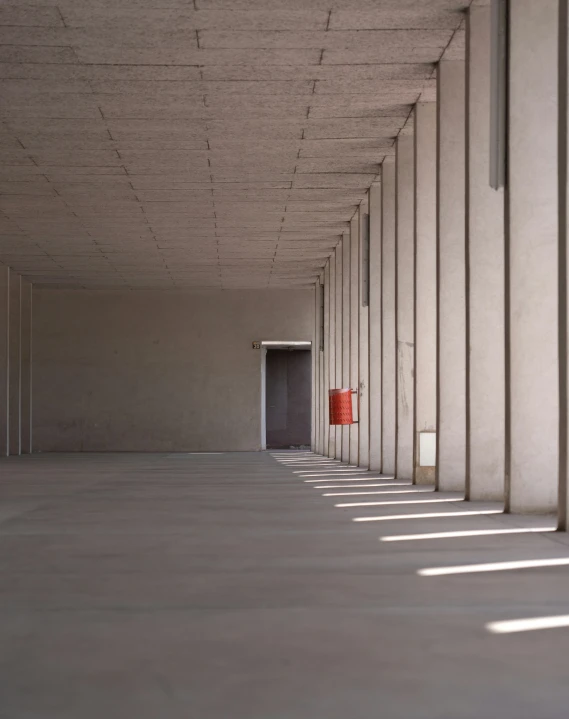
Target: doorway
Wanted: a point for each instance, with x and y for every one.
(288, 380)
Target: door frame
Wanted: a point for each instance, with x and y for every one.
(275, 345)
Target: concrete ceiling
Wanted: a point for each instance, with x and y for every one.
(204, 143)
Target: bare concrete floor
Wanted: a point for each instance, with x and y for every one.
(227, 587)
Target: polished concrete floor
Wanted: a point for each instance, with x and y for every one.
(226, 586)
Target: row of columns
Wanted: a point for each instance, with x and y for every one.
(15, 363)
(457, 358)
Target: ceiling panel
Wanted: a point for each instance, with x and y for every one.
(212, 143)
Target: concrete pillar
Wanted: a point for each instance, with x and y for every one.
(364, 346)
(321, 383)
(339, 340)
(375, 392)
(405, 263)
(485, 288)
(326, 361)
(332, 347)
(354, 331)
(26, 367)
(425, 360)
(314, 392)
(346, 336)
(388, 305)
(4, 360)
(564, 264)
(315, 369)
(532, 409)
(451, 350)
(15, 384)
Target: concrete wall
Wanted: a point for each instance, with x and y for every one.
(144, 371)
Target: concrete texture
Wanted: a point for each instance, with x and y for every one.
(532, 256)
(316, 389)
(323, 401)
(26, 368)
(152, 370)
(225, 586)
(4, 360)
(425, 285)
(451, 303)
(179, 144)
(405, 312)
(354, 333)
(314, 374)
(363, 426)
(485, 367)
(375, 292)
(326, 362)
(339, 339)
(332, 346)
(388, 346)
(15, 362)
(346, 274)
(563, 159)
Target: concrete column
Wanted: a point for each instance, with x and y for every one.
(564, 264)
(364, 347)
(451, 349)
(26, 367)
(346, 336)
(388, 351)
(339, 340)
(485, 288)
(322, 387)
(332, 347)
(375, 393)
(4, 360)
(405, 263)
(532, 409)
(15, 384)
(354, 331)
(315, 368)
(425, 360)
(313, 394)
(326, 362)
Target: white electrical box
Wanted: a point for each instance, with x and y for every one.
(427, 449)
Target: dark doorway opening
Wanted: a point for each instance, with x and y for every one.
(288, 398)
